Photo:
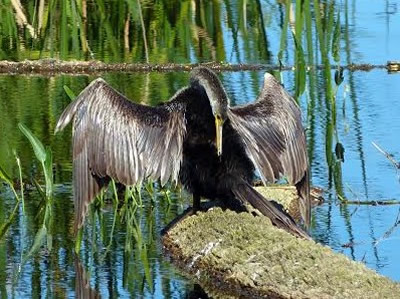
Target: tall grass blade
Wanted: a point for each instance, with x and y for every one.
(282, 46)
(4, 227)
(338, 180)
(48, 173)
(37, 146)
(329, 27)
(40, 237)
(78, 241)
(318, 25)
(329, 142)
(69, 93)
(146, 265)
(39, 189)
(300, 68)
(299, 19)
(5, 177)
(20, 180)
(336, 41)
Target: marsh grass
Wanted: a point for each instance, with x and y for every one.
(312, 32)
(127, 208)
(7, 179)
(324, 24)
(44, 156)
(140, 31)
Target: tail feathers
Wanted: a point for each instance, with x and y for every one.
(303, 190)
(271, 209)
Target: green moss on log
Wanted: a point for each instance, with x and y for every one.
(286, 195)
(242, 255)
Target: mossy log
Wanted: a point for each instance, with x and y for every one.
(239, 255)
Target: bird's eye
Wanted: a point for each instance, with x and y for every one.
(219, 117)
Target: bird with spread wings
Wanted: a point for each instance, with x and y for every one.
(196, 139)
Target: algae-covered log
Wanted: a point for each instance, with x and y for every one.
(287, 196)
(240, 255)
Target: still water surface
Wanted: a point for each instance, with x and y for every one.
(367, 110)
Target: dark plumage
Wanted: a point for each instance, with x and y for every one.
(196, 138)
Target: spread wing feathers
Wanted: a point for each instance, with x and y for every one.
(113, 137)
(274, 138)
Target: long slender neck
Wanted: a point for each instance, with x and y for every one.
(211, 84)
(213, 88)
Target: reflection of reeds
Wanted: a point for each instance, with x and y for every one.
(189, 31)
(4, 177)
(318, 19)
(147, 32)
(146, 49)
(45, 157)
(21, 17)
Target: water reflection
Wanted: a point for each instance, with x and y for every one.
(134, 264)
(178, 31)
(361, 110)
(82, 282)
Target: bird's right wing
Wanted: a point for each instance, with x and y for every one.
(113, 137)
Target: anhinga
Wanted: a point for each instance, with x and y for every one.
(195, 138)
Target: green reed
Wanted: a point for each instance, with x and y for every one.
(63, 31)
(44, 156)
(7, 179)
(324, 24)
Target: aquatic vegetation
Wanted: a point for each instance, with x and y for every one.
(126, 212)
(44, 156)
(343, 112)
(7, 222)
(141, 30)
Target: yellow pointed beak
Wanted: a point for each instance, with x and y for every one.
(218, 127)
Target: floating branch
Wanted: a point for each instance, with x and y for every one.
(370, 202)
(53, 66)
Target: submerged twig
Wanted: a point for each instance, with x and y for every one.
(387, 155)
(390, 230)
(380, 202)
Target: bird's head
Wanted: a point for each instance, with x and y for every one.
(217, 97)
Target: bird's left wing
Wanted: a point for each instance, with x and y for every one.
(274, 138)
(113, 137)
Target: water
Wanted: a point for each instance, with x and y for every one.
(366, 106)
